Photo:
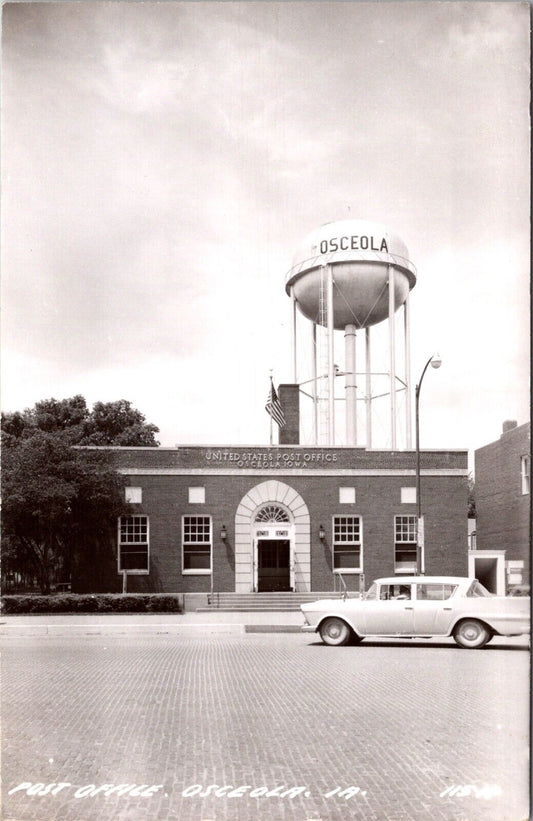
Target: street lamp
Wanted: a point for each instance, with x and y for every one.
(435, 361)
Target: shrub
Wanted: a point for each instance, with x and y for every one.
(164, 603)
(92, 603)
(105, 604)
(38, 604)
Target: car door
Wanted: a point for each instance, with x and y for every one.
(391, 612)
(433, 608)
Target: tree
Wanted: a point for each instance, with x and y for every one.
(117, 423)
(471, 497)
(61, 503)
(56, 498)
(109, 423)
(51, 415)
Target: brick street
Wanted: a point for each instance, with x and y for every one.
(276, 721)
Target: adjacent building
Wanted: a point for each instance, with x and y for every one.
(501, 558)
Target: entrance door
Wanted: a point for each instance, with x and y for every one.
(273, 565)
(488, 567)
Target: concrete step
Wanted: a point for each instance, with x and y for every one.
(265, 608)
(265, 602)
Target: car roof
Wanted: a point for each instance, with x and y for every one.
(424, 579)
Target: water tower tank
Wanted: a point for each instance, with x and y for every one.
(351, 275)
(360, 254)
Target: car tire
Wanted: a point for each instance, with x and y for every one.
(472, 634)
(335, 632)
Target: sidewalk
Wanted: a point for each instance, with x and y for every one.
(185, 624)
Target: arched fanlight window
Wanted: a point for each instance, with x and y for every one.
(272, 513)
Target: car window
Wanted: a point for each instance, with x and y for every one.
(476, 590)
(390, 592)
(435, 592)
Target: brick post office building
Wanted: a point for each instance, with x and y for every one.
(286, 517)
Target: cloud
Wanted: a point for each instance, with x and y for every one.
(163, 160)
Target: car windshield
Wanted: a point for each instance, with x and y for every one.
(476, 590)
(371, 593)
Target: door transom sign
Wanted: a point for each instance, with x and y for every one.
(269, 503)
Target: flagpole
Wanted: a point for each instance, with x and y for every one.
(271, 421)
(274, 410)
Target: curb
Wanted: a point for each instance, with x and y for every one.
(207, 629)
(272, 628)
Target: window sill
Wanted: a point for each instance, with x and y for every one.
(134, 572)
(348, 571)
(195, 572)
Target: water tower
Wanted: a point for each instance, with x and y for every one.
(351, 275)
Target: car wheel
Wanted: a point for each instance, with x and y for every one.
(335, 632)
(471, 633)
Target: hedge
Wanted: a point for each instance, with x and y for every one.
(93, 603)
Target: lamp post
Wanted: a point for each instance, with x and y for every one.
(435, 361)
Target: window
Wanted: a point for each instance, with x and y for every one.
(405, 544)
(435, 592)
(524, 466)
(272, 514)
(196, 540)
(515, 570)
(408, 496)
(133, 541)
(134, 495)
(347, 543)
(197, 495)
(347, 495)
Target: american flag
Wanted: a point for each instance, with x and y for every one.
(273, 406)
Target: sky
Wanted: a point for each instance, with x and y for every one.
(162, 162)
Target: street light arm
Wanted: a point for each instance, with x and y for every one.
(417, 433)
(417, 391)
(436, 361)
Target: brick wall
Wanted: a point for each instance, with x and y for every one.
(289, 397)
(502, 510)
(378, 500)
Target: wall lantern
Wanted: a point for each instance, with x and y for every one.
(223, 533)
(321, 533)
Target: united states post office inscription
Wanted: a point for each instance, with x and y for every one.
(270, 459)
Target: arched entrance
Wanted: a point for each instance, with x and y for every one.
(272, 540)
(272, 556)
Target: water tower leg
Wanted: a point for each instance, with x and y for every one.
(293, 337)
(368, 390)
(331, 357)
(350, 386)
(315, 388)
(407, 347)
(392, 351)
